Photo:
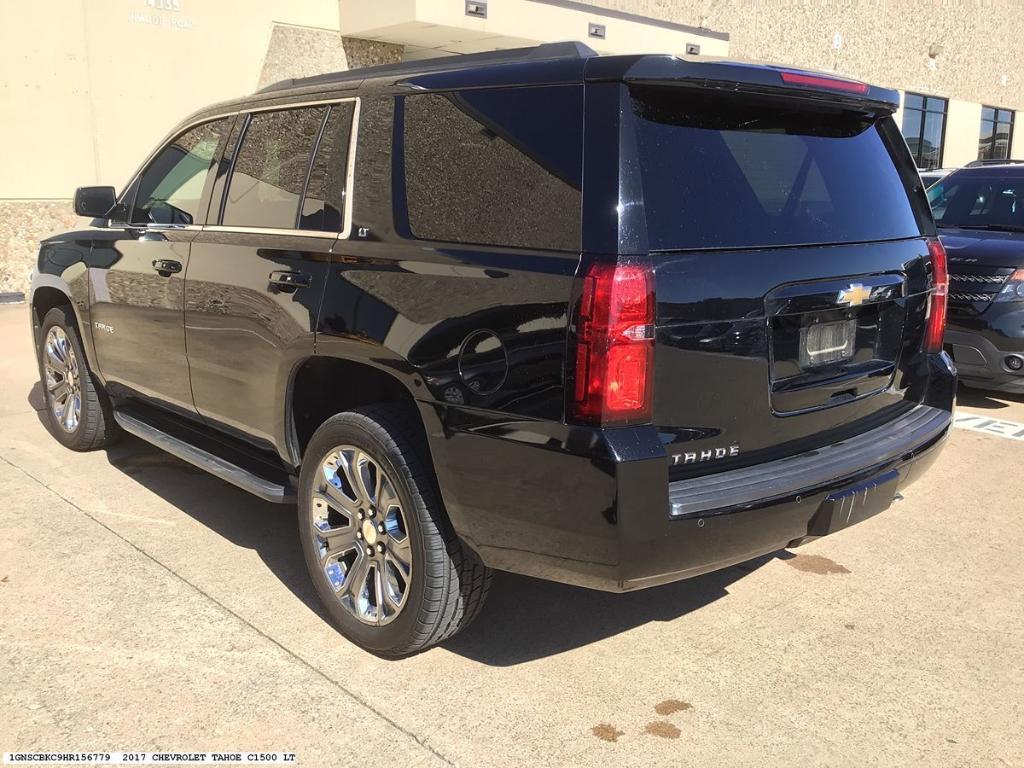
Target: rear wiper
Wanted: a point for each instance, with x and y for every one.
(989, 227)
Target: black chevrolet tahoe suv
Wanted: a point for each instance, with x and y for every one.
(608, 320)
(980, 215)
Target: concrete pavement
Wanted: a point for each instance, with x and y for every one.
(145, 605)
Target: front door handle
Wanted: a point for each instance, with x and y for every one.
(289, 281)
(166, 266)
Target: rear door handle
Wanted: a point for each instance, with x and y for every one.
(166, 266)
(289, 281)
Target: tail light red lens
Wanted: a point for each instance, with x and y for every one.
(614, 345)
(935, 325)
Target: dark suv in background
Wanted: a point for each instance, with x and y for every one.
(613, 321)
(980, 215)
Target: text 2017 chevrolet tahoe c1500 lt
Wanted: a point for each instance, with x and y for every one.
(608, 320)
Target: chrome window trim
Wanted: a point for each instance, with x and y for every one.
(168, 227)
(350, 173)
(123, 226)
(270, 231)
(346, 226)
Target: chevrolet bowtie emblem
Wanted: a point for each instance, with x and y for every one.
(853, 296)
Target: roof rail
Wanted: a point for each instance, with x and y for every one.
(561, 50)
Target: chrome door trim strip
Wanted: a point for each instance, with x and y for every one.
(270, 231)
(296, 105)
(350, 172)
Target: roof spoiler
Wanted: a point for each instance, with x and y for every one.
(761, 79)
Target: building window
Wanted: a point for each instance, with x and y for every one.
(996, 133)
(924, 128)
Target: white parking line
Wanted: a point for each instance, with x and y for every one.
(1012, 430)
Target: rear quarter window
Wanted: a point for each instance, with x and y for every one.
(495, 167)
(721, 172)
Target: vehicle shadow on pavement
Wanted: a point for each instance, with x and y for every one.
(524, 618)
(244, 520)
(36, 399)
(979, 398)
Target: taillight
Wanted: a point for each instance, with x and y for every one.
(614, 345)
(935, 326)
(823, 81)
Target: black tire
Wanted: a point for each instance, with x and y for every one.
(96, 427)
(448, 583)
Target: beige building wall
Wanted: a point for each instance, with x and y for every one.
(963, 125)
(881, 41)
(968, 52)
(87, 92)
(441, 27)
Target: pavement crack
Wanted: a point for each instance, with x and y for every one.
(288, 651)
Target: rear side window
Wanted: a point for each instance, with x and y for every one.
(495, 167)
(725, 173)
(172, 185)
(271, 168)
(324, 200)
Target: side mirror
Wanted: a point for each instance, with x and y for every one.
(94, 202)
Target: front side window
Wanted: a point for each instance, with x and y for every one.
(271, 168)
(996, 133)
(924, 128)
(496, 167)
(171, 187)
(972, 201)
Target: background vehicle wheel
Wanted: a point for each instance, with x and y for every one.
(78, 411)
(383, 556)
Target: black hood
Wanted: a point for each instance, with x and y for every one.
(989, 248)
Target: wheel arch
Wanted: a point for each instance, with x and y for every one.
(50, 291)
(322, 386)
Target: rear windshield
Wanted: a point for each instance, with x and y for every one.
(970, 201)
(719, 172)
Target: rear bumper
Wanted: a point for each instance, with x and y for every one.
(981, 359)
(718, 537)
(594, 507)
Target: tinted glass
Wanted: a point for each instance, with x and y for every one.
(913, 101)
(271, 167)
(324, 200)
(996, 133)
(496, 167)
(923, 128)
(171, 187)
(931, 141)
(984, 202)
(727, 173)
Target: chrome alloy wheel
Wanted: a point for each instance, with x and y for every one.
(360, 534)
(63, 384)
